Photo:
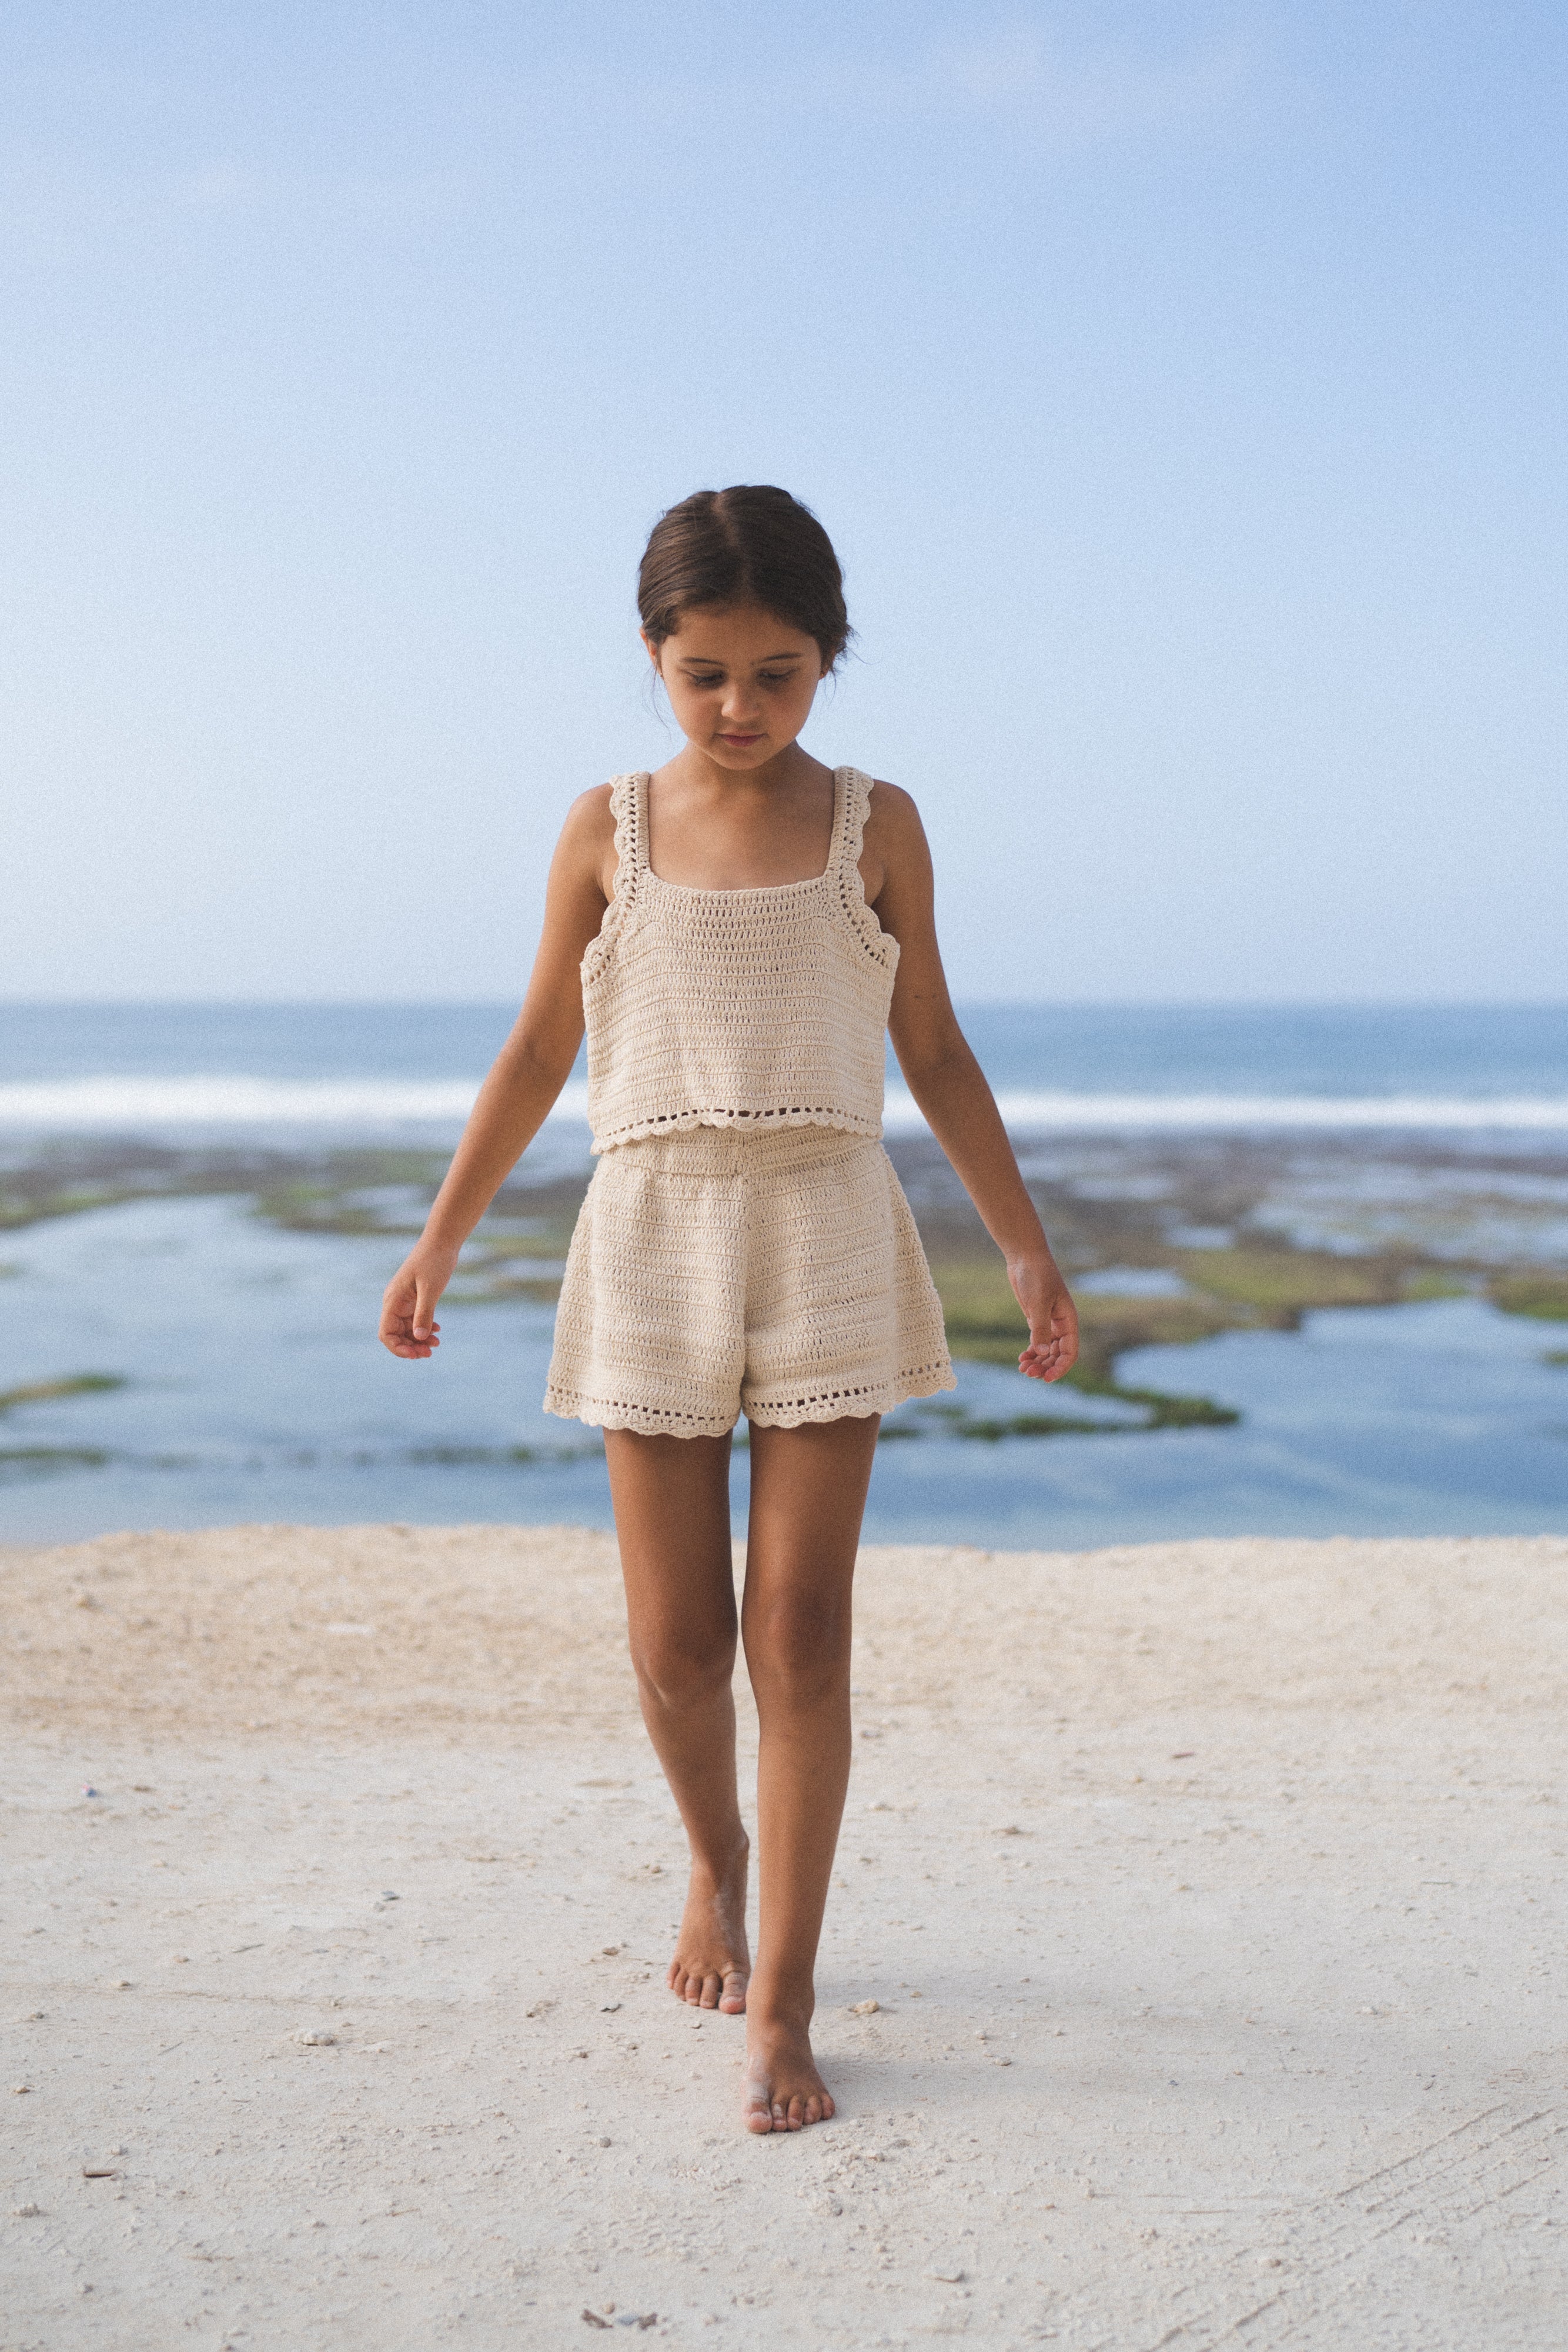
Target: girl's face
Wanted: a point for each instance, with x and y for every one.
(741, 682)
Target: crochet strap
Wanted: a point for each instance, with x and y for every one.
(856, 807)
(628, 807)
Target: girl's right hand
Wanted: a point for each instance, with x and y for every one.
(408, 1304)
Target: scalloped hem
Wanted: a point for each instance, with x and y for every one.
(787, 1413)
(754, 1122)
(645, 1420)
(852, 1404)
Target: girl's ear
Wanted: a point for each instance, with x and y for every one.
(653, 650)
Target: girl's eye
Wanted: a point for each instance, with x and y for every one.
(775, 676)
(717, 680)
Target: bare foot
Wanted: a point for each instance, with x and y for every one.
(713, 1960)
(784, 2091)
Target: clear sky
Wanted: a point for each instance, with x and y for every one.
(1183, 387)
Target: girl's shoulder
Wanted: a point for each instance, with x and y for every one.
(890, 805)
(892, 842)
(588, 844)
(892, 826)
(591, 808)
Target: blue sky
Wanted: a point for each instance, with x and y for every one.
(1182, 385)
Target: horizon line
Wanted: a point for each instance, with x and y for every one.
(986, 1003)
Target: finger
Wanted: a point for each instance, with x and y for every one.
(393, 1332)
(397, 1335)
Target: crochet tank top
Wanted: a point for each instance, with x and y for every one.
(761, 1008)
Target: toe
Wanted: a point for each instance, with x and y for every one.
(733, 1999)
(708, 1997)
(759, 2112)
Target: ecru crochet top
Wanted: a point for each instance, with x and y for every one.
(762, 1008)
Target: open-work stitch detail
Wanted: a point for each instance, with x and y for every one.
(849, 1404)
(644, 1420)
(683, 1122)
(850, 1401)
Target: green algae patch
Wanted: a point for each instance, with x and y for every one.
(1431, 1283)
(32, 1208)
(983, 1320)
(324, 1209)
(516, 1253)
(957, 1421)
(1543, 1296)
(1165, 1410)
(1245, 1288)
(514, 1262)
(40, 1461)
(1030, 1425)
(1281, 1285)
(985, 1325)
(51, 1391)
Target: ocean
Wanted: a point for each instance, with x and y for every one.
(202, 1202)
(1087, 1068)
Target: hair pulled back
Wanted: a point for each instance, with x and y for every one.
(751, 544)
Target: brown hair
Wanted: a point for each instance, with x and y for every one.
(751, 544)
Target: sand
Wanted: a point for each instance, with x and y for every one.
(1210, 1896)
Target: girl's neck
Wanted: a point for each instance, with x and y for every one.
(789, 771)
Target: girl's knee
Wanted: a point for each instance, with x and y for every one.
(675, 1672)
(799, 1643)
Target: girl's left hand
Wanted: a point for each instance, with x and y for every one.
(1045, 1298)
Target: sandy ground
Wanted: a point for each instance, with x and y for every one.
(1210, 1895)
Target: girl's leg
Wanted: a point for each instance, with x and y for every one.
(671, 1518)
(807, 1494)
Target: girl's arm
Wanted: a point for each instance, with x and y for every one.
(528, 1074)
(949, 1085)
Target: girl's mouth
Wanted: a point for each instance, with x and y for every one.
(742, 742)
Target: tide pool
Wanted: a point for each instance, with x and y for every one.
(253, 1390)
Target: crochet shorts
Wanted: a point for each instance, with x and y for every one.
(720, 1271)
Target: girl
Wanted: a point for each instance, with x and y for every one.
(738, 932)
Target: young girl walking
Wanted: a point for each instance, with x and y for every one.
(738, 932)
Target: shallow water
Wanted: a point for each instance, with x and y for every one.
(255, 1391)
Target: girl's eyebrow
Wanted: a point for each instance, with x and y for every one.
(706, 661)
